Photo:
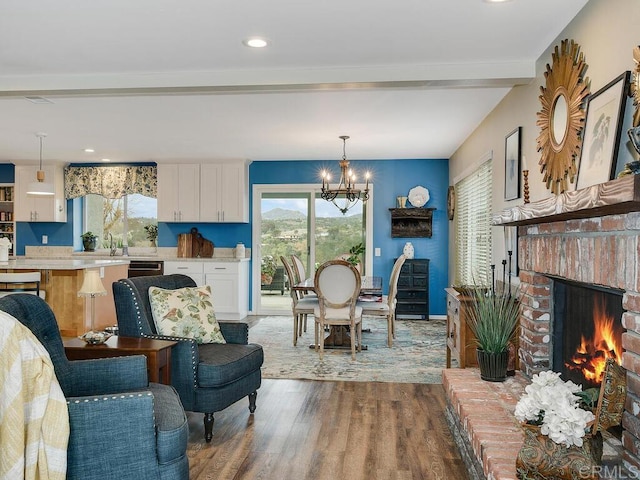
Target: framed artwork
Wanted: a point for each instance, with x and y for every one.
(602, 128)
(512, 154)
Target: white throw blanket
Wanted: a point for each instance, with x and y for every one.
(34, 420)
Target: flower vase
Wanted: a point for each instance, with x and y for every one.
(408, 250)
(540, 458)
(493, 366)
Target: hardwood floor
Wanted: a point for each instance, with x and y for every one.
(305, 429)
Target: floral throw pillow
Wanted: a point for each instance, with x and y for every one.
(185, 312)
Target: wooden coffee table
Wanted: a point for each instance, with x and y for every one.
(158, 353)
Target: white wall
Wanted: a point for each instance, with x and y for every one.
(607, 31)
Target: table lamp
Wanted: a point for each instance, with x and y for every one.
(92, 287)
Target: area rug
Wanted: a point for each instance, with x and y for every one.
(417, 355)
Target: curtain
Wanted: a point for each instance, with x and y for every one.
(110, 182)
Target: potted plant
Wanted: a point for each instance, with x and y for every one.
(354, 254)
(89, 241)
(493, 319)
(152, 234)
(268, 267)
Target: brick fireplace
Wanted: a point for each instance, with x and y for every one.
(593, 237)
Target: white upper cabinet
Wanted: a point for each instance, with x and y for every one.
(179, 193)
(40, 208)
(211, 192)
(224, 192)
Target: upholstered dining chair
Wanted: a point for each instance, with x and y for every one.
(337, 284)
(300, 307)
(300, 275)
(209, 377)
(387, 307)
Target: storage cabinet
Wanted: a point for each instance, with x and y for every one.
(179, 193)
(229, 288)
(413, 289)
(39, 208)
(229, 283)
(411, 222)
(212, 192)
(7, 219)
(224, 195)
(460, 339)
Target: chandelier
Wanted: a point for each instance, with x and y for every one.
(346, 189)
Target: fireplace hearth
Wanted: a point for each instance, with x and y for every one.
(587, 330)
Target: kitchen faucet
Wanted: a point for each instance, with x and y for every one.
(112, 248)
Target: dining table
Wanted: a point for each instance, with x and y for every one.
(339, 336)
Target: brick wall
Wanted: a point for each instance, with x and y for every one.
(603, 251)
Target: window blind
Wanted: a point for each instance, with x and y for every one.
(473, 226)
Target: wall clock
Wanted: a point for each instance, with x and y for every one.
(451, 202)
(561, 119)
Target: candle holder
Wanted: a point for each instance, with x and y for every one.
(525, 187)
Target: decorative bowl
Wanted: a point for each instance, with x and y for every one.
(95, 337)
(418, 196)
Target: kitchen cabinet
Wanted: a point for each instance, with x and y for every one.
(39, 208)
(212, 192)
(229, 287)
(7, 219)
(412, 297)
(460, 339)
(179, 193)
(229, 283)
(224, 195)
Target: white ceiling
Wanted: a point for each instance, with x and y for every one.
(170, 80)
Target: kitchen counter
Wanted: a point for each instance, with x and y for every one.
(21, 263)
(165, 258)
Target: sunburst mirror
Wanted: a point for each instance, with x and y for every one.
(635, 86)
(561, 119)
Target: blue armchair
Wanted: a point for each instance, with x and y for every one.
(120, 425)
(208, 377)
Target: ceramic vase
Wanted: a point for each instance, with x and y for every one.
(408, 250)
(240, 252)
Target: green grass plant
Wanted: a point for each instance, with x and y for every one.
(493, 319)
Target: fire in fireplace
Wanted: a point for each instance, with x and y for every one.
(587, 329)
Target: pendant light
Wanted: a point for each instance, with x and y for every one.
(40, 187)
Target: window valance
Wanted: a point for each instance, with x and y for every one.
(110, 182)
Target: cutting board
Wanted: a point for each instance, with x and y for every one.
(193, 244)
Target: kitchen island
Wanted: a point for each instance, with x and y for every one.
(62, 278)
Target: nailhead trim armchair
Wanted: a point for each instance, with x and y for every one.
(208, 377)
(121, 426)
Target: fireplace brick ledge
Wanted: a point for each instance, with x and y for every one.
(621, 195)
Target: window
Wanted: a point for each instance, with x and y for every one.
(473, 226)
(123, 218)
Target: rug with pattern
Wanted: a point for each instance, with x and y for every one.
(417, 355)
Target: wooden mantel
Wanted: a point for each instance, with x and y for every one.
(621, 195)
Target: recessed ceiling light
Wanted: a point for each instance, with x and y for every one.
(255, 42)
(89, 150)
(106, 160)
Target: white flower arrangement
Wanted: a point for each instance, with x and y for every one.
(552, 404)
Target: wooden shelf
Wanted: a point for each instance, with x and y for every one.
(411, 222)
(621, 195)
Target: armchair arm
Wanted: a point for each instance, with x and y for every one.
(108, 375)
(109, 434)
(235, 332)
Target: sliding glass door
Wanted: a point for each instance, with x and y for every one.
(294, 220)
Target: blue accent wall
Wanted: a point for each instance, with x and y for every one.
(390, 178)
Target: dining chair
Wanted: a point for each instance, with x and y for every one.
(301, 276)
(387, 307)
(301, 307)
(337, 284)
(21, 282)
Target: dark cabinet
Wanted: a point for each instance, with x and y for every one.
(413, 289)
